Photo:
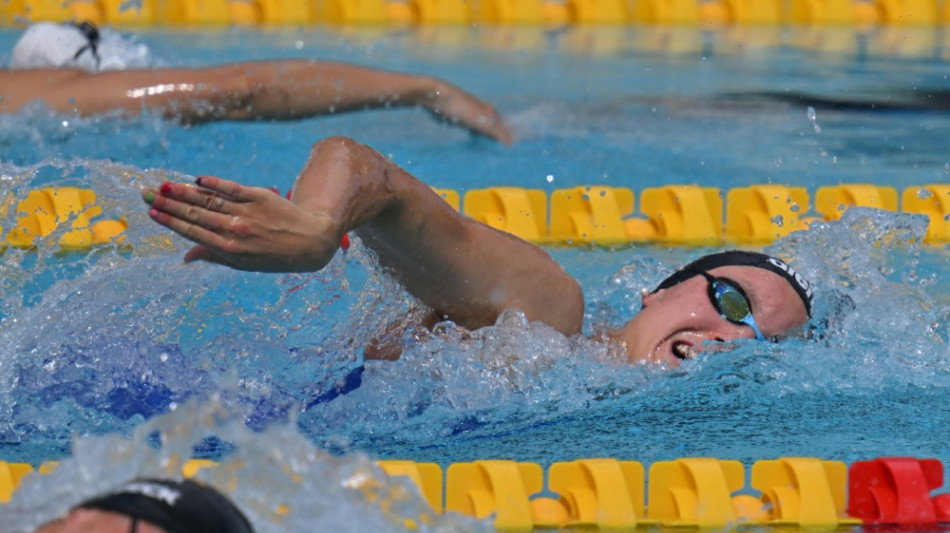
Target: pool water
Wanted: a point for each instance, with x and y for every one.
(121, 340)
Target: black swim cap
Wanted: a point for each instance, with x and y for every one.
(744, 258)
(175, 506)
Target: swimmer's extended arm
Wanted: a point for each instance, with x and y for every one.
(276, 90)
(466, 271)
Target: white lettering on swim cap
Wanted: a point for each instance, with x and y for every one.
(793, 274)
(154, 491)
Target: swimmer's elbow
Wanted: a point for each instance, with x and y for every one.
(574, 310)
(565, 312)
(335, 143)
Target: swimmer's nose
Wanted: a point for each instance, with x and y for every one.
(727, 331)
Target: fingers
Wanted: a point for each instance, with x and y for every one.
(191, 231)
(501, 132)
(194, 213)
(201, 253)
(490, 124)
(477, 115)
(197, 196)
(191, 205)
(198, 253)
(230, 189)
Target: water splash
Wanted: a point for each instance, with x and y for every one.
(106, 341)
(277, 478)
(813, 118)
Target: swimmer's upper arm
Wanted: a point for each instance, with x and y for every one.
(466, 271)
(175, 93)
(68, 90)
(530, 280)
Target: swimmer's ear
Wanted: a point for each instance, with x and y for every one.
(648, 297)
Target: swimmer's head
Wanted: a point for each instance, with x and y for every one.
(77, 45)
(175, 506)
(744, 258)
(717, 298)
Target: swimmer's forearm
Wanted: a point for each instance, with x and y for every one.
(293, 89)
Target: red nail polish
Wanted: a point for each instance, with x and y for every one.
(166, 188)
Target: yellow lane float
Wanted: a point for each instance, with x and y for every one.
(44, 210)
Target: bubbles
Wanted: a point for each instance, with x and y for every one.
(812, 117)
(279, 480)
(453, 382)
(865, 303)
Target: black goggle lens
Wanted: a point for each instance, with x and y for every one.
(730, 302)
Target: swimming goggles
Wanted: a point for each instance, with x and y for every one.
(91, 33)
(730, 301)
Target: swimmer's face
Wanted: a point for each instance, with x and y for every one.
(96, 521)
(675, 322)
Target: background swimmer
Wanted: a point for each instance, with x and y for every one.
(73, 69)
(154, 506)
(463, 270)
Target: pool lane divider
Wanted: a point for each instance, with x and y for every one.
(702, 13)
(591, 215)
(41, 213)
(689, 215)
(700, 492)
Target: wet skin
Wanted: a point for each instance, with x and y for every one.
(257, 90)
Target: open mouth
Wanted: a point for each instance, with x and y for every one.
(684, 350)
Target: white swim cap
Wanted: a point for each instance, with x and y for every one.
(51, 45)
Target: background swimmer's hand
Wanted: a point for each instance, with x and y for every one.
(455, 106)
(247, 228)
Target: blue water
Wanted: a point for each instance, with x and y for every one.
(106, 342)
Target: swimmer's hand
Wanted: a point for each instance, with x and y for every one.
(247, 228)
(455, 106)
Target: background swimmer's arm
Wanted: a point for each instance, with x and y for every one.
(295, 88)
(466, 271)
(275, 90)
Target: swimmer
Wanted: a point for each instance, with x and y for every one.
(463, 270)
(154, 506)
(72, 69)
